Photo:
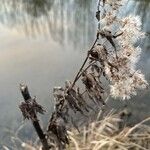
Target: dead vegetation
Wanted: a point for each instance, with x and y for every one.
(109, 133)
(106, 134)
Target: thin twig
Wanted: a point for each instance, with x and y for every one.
(85, 69)
(99, 13)
(97, 37)
(136, 126)
(76, 77)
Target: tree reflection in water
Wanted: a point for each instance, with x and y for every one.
(65, 20)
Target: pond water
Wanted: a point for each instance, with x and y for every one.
(43, 43)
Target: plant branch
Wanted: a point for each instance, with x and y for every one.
(76, 77)
(97, 37)
(35, 122)
(85, 69)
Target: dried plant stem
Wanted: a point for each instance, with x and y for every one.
(82, 71)
(78, 74)
(75, 143)
(98, 11)
(35, 122)
(97, 37)
(136, 126)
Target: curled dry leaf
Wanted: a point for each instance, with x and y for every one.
(30, 108)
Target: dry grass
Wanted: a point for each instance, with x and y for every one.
(108, 133)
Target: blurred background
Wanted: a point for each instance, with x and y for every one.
(43, 43)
